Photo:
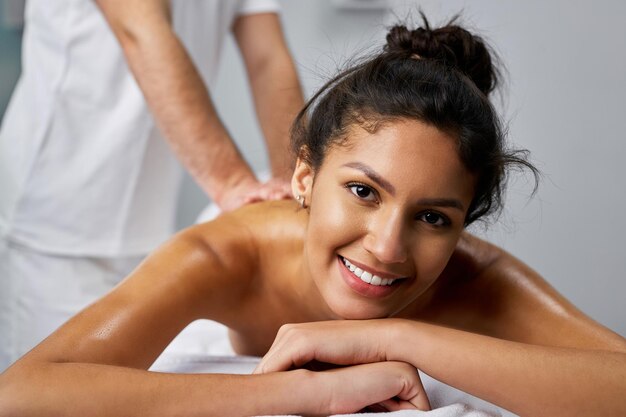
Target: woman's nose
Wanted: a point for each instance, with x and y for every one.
(385, 238)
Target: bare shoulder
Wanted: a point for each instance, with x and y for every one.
(487, 290)
(252, 227)
(276, 231)
(238, 242)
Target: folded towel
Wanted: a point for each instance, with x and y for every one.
(453, 410)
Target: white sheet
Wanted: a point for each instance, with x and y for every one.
(203, 347)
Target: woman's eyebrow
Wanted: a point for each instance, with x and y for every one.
(373, 175)
(386, 185)
(441, 202)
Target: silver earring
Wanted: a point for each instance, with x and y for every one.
(300, 200)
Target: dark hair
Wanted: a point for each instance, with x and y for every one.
(441, 77)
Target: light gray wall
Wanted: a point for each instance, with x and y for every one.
(565, 102)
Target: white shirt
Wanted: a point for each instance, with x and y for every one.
(83, 169)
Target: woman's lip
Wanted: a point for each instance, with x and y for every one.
(383, 275)
(361, 287)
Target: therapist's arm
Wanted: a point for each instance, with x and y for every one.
(274, 82)
(178, 99)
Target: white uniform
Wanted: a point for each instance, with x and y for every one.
(85, 177)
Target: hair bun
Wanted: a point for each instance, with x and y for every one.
(420, 41)
(450, 44)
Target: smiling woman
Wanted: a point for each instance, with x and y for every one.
(372, 269)
(397, 221)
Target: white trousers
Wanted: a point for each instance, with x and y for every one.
(39, 292)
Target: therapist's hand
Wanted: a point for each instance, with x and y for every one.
(252, 191)
(340, 342)
(274, 189)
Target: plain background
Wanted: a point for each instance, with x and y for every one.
(564, 100)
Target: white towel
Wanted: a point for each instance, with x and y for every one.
(453, 410)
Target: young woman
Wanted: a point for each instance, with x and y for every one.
(370, 268)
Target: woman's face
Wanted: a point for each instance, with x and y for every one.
(386, 212)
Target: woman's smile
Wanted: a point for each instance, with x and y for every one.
(366, 281)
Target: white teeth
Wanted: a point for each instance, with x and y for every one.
(366, 276)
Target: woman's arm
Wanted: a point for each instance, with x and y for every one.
(96, 363)
(527, 379)
(41, 388)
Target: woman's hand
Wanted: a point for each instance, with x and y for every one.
(371, 380)
(340, 342)
(392, 385)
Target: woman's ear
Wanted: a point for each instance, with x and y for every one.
(302, 181)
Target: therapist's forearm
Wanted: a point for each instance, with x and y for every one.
(73, 389)
(274, 82)
(277, 99)
(529, 380)
(178, 97)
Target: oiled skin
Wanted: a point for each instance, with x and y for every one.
(245, 270)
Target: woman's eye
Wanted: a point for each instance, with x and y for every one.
(363, 192)
(434, 219)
